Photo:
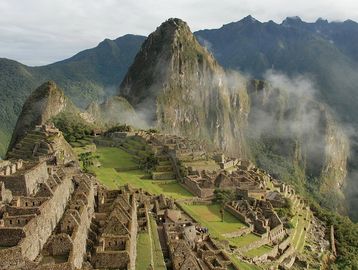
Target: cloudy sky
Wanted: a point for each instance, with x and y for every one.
(37, 32)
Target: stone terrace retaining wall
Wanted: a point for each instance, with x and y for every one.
(79, 236)
(39, 229)
(27, 182)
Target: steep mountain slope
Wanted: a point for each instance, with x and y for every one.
(88, 76)
(46, 102)
(298, 139)
(113, 111)
(183, 90)
(325, 52)
(43, 104)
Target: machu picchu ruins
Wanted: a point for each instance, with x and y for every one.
(53, 215)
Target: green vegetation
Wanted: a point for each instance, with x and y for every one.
(209, 216)
(258, 251)
(117, 169)
(4, 140)
(244, 240)
(87, 159)
(346, 236)
(75, 131)
(120, 128)
(285, 211)
(144, 253)
(116, 158)
(301, 222)
(149, 251)
(158, 258)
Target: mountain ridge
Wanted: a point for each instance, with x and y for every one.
(293, 50)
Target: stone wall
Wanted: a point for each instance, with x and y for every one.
(112, 260)
(10, 237)
(79, 236)
(133, 234)
(194, 188)
(59, 245)
(39, 229)
(5, 194)
(254, 244)
(11, 258)
(27, 182)
(237, 214)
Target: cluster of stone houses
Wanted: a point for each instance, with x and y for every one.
(53, 216)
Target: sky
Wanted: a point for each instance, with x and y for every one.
(39, 32)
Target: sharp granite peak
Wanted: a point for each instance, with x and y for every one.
(183, 90)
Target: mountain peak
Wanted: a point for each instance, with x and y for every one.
(167, 50)
(290, 21)
(174, 22)
(172, 27)
(322, 21)
(44, 103)
(249, 19)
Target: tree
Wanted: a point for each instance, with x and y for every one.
(87, 160)
(222, 197)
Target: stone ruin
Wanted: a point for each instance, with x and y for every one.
(190, 247)
(43, 143)
(260, 217)
(246, 179)
(53, 216)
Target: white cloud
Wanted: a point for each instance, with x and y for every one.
(41, 31)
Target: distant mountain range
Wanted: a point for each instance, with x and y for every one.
(90, 75)
(326, 52)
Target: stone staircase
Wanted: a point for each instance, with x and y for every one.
(164, 170)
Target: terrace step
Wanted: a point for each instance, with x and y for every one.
(163, 175)
(164, 168)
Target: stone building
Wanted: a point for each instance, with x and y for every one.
(261, 216)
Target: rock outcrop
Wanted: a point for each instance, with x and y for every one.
(114, 110)
(44, 103)
(183, 90)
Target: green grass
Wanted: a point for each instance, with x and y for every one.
(244, 240)
(209, 216)
(299, 234)
(143, 259)
(115, 158)
(112, 157)
(149, 250)
(243, 265)
(259, 251)
(158, 258)
(107, 176)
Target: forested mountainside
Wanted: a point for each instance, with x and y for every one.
(90, 75)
